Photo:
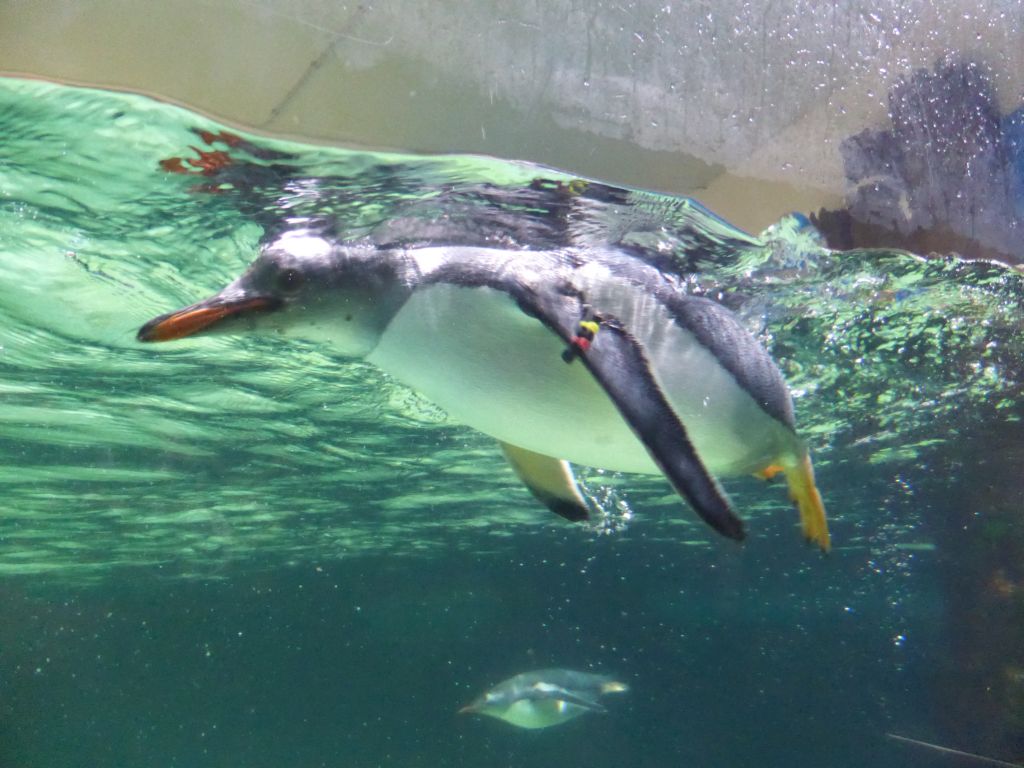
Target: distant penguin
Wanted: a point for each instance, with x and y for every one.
(544, 698)
(593, 355)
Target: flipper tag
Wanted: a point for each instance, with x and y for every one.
(580, 343)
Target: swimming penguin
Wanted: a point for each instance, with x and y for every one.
(592, 355)
(544, 698)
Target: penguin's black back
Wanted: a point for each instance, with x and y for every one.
(721, 333)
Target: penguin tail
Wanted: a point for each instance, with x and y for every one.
(804, 494)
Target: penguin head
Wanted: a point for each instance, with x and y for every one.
(302, 285)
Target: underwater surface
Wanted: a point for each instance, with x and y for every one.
(240, 551)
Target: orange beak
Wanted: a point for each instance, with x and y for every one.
(200, 317)
(472, 707)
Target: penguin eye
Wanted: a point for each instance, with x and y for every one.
(289, 281)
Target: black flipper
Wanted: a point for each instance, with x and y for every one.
(550, 480)
(616, 360)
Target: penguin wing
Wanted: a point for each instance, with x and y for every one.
(617, 362)
(548, 691)
(550, 480)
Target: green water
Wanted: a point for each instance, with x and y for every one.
(241, 552)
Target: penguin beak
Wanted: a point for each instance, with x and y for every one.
(472, 708)
(203, 316)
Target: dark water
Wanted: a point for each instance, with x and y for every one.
(730, 655)
(241, 552)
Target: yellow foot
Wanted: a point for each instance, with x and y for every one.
(769, 472)
(804, 494)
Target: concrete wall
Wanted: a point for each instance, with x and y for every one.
(743, 104)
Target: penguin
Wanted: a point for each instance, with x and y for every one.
(544, 698)
(592, 355)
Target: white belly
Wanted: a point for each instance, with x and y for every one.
(474, 353)
(541, 713)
